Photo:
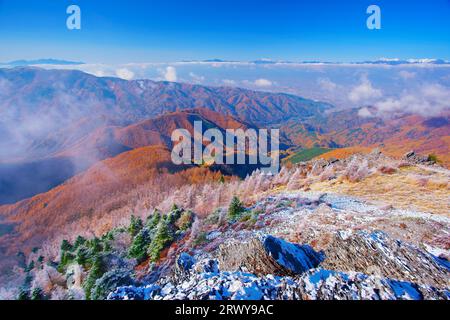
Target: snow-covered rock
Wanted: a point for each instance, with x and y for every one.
(376, 253)
(268, 255)
(314, 284)
(266, 268)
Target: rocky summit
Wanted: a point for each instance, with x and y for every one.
(247, 271)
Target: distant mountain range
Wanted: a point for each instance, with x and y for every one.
(58, 123)
(381, 61)
(24, 63)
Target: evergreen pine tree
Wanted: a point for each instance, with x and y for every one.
(235, 209)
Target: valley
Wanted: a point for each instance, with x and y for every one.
(94, 195)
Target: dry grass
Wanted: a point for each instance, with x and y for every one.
(406, 189)
(344, 152)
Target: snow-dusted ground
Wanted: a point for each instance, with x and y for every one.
(314, 218)
(322, 212)
(315, 284)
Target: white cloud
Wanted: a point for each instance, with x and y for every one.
(327, 84)
(229, 82)
(170, 74)
(196, 78)
(99, 73)
(124, 73)
(365, 113)
(263, 83)
(364, 92)
(407, 75)
(429, 100)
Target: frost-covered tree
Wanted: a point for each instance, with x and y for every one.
(136, 225)
(235, 209)
(97, 270)
(163, 237)
(153, 220)
(138, 248)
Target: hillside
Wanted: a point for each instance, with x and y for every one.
(114, 184)
(110, 187)
(106, 185)
(302, 234)
(79, 149)
(395, 136)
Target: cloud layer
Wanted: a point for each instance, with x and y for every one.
(364, 93)
(428, 100)
(125, 74)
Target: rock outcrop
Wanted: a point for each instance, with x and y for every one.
(314, 284)
(415, 158)
(363, 266)
(375, 253)
(268, 255)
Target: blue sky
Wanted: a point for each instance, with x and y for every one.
(135, 30)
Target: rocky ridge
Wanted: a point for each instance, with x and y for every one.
(229, 280)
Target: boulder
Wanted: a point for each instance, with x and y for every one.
(415, 158)
(183, 266)
(268, 255)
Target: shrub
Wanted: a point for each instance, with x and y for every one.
(109, 236)
(37, 294)
(185, 221)
(30, 266)
(79, 241)
(96, 272)
(136, 225)
(83, 256)
(387, 170)
(109, 282)
(153, 220)
(173, 215)
(213, 218)
(24, 294)
(201, 238)
(163, 237)
(66, 259)
(138, 248)
(66, 246)
(95, 245)
(27, 281)
(245, 217)
(235, 209)
(433, 158)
